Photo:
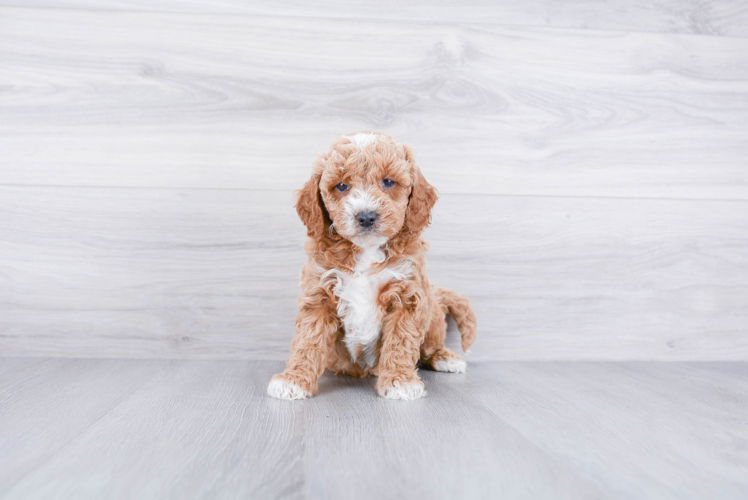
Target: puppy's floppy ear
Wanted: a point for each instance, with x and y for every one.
(310, 208)
(423, 196)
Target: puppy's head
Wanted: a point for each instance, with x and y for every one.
(366, 188)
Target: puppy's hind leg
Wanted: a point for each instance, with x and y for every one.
(444, 360)
(434, 354)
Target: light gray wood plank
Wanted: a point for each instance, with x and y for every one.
(196, 430)
(10, 364)
(133, 273)
(654, 430)
(205, 429)
(443, 447)
(212, 273)
(735, 370)
(709, 17)
(192, 100)
(47, 405)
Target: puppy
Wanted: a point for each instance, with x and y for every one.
(366, 305)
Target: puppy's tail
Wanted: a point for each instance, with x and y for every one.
(459, 307)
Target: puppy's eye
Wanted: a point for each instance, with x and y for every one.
(388, 183)
(342, 187)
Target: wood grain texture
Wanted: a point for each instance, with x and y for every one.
(204, 429)
(8, 364)
(444, 446)
(194, 430)
(708, 17)
(214, 273)
(104, 98)
(595, 415)
(55, 401)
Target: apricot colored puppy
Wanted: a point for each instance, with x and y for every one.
(366, 305)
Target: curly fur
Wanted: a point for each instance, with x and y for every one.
(366, 305)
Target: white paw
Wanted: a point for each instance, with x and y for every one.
(452, 365)
(404, 391)
(282, 389)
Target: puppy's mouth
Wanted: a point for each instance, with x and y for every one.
(367, 231)
(368, 239)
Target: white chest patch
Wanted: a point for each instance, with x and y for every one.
(357, 304)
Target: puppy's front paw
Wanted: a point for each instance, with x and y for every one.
(406, 390)
(280, 388)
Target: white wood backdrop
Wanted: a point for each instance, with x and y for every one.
(592, 160)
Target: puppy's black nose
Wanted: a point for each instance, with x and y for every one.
(366, 219)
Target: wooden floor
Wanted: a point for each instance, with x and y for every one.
(74, 428)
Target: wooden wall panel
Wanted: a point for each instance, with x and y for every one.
(594, 182)
(214, 273)
(213, 101)
(703, 17)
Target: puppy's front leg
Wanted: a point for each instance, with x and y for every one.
(401, 343)
(316, 330)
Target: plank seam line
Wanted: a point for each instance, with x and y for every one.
(441, 193)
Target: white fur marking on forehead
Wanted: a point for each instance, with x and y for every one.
(362, 139)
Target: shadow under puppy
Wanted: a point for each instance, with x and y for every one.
(366, 305)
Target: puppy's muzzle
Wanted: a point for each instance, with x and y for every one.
(366, 219)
